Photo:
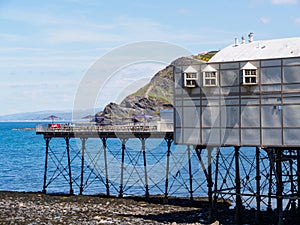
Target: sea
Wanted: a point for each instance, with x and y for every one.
(22, 165)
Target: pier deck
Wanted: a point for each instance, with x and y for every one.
(127, 131)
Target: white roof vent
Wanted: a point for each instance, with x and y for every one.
(250, 36)
(243, 40)
(236, 42)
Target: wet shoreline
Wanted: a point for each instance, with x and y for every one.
(38, 208)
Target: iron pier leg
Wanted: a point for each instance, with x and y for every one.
(46, 164)
(291, 177)
(258, 177)
(169, 142)
(208, 176)
(105, 164)
(122, 167)
(279, 185)
(270, 155)
(210, 184)
(69, 164)
(83, 140)
(238, 206)
(216, 184)
(298, 180)
(145, 168)
(190, 173)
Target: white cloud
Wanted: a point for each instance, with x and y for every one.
(297, 20)
(77, 35)
(265, 20)
(183, 11)
(282, 2)
(11, 37)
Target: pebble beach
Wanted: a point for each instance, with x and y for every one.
(38, 208)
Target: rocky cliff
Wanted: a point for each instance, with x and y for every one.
(146, 103)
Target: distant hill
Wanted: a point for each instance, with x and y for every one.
(43, 115)
(206, 56)
(147, 102)
(37, 116)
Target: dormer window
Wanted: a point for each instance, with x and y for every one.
(249, 72)
(209, 76)
(190, 76)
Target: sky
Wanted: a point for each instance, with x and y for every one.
(47, 47)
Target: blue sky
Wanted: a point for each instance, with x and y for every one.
(46, 47)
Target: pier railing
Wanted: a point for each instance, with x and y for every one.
(77, 128)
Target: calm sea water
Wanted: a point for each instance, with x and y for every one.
(22, 158)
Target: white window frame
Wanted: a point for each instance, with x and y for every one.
(250, 74)
(210, 76)
(210, 79)
(190, 79)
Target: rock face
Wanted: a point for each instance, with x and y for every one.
(145, 104)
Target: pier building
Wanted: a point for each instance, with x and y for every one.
(243, 106)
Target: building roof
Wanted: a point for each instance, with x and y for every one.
(265, 49)
(249, 66)
(190, 69)
(209, 68)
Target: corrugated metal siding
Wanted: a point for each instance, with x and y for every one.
(267, 114)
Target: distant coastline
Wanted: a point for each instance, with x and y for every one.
(42, 116)
(25, 128)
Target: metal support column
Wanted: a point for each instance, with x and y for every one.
(210, 184)
(298, 180)
(69, 165)
(122, 167)
(105, 164)
(216, 183)
(258, 178)
(169, 142)
(190, 173)
(208, 176)
(279, 185)
(83, 141)
(271, 160)
(46, 164)
(292, 201)
(145, 168)
(238, 206)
